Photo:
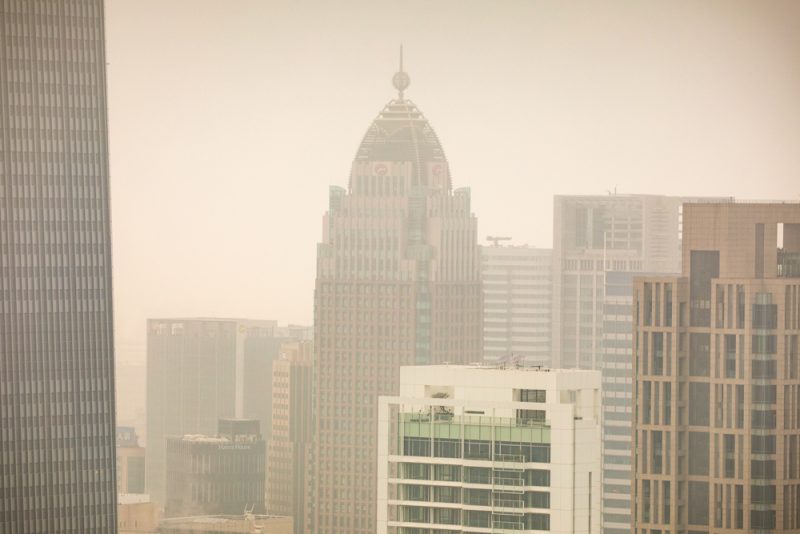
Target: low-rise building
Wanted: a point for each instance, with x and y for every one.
(136, 514)
(222, 474)
(130, 461)
(224, 524)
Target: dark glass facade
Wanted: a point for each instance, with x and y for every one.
(57, 428)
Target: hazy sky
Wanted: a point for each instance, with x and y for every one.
(230, 119)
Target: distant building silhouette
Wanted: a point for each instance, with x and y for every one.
(517, 303)
(398, 283)
(56, 333)
(219, 474)
(717, 376)
(130, 461)
(200, 370)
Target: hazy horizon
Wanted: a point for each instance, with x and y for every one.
(230, 119)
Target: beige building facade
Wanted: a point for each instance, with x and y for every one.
(136, 514)
(717, 377)
(292, 427)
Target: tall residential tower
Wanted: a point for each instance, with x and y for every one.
(599, 244)
(398, 283)
(57, 428)
(717, 377)
(292, 432)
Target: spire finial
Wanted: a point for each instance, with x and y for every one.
(400, 80)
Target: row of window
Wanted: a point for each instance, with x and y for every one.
(474, 475)
(472, 496)
(473, 449)
(472, 518)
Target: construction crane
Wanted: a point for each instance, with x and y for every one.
(496, 240)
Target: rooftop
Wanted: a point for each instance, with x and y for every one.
(132, 498)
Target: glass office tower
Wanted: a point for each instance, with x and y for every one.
(57, 426)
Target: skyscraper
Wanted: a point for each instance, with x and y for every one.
(398, 283)
(517, 303)
(596, 234)
(57, 426)
(717, 382)
(599, 244)
(292, 430)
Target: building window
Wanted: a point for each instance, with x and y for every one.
(537, 499)
(478, 475)
(447, 473)
(762, 444)
(447, 494)
(416, 446)
(416, 471)
(412, 492)
(477, 497)
(765, 316)
(477, 449)
(533, 395)
(537, 477)
(447, 448)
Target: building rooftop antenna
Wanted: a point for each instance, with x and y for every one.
(401, 80)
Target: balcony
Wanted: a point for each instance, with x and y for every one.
(474, 427)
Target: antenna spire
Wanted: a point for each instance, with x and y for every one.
(400, 80)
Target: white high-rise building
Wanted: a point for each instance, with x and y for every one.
(469, 449)
(517, 300)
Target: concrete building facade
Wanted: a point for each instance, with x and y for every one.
(490, 449)
(136, 514)
(517, 303)
(57, 408)
(717, 382)
(398, 283)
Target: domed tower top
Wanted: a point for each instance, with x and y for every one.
(401, 133)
